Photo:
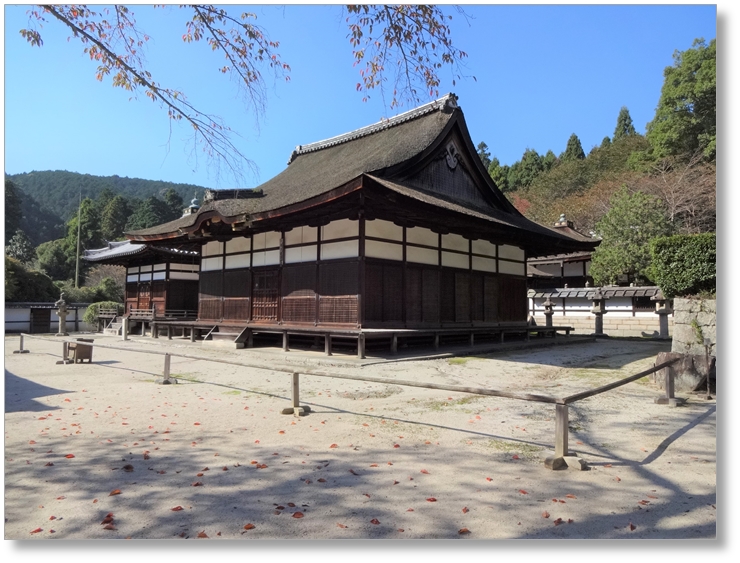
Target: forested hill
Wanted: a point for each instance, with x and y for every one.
(59, 191)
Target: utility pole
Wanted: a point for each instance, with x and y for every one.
(79, 225)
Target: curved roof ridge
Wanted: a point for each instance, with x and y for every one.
(449, 100)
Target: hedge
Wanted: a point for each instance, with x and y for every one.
(684, 265)
(91, 314)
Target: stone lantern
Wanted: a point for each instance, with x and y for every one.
(662, 309)
(598, 310)
(62, 311)
(549, 312)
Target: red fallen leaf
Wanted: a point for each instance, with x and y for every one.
(365, 424)
(52, 517)
(545, 514)
(375, 521)
(571, 496)
(49, 464)
(196, 424)
(95, 500)
(308, 481)
(561, 501)
(52, 531)
(197, 484)
(424, 471)
(643, 502)
(352, 471)
(108, 519)
(462, 531)
(291, 504)
(281, 431)
(570, 520)
(114, 492)
(465, 510)
(400, 529)
(432, 499)
(523, 492)
(109, 527)
(489, 479)
(262, 466)
(558, 521)
(427, 442)
(256, 441)
(607, 465)
(409, 510)
(477, 417)
(128, 468)
(253, 462)
(280, 507)
(298, 515)
(202, 534)
(32, 442)
(395, 482)
(178, 508)
(67, 401)
(36, 531)
(340, 525)
(249, 526)
(617, 479)
(333, 446)
(199, 474)
(205, 469)
(632, 526)
(515, 456)
(373, 465)
(651, 496)
(396, 446)
(322, 480)
(69, 456)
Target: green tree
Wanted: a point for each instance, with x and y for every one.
(13, 210)
(114, 217)
(573, 150)
(605, 142)
(685, 120)
(89, 232)
(499, 174)
(549, 160)
(633, 220)
(399, 48)
(20, 248)
(150, 212)
(174, 203)
(22, 284)
(54, 261)
(484, 154)
(525, 171)
(624, 126)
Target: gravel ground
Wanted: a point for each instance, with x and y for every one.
(103, 451)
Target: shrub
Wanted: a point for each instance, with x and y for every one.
(684, 265)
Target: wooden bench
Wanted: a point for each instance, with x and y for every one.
(78, 352)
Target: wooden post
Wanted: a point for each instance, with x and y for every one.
(296, 391)
(285, 341)
(361, 346)
(166, 375)
(561, 430)
(124, 329)
(327, 344)
(155, 330)
(169, 332)
(192, 334)
(20, 350)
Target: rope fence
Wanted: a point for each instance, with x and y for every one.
(561, 459)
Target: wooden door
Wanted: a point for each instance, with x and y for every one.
(145, 296)
(40, 321)
(265, 295)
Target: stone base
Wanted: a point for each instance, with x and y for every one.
(64, 362)
(671, 402)
(21, 351)
(570, 461)
(62, 334)
(168, 381)
(297, 411)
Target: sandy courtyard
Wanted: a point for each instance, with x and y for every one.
(102, 451)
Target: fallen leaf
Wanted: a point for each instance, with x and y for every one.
(545, 514)
(558, 521)
(431, 499)
(197, 484)
(424, 471)
(523, 492)
(400, 529)
(115, 492)
(36, 531)
(375, 521)
(199, 474)
(52, 517)
(617, 479)
(515, 456)
(373, 465)
(178, 508)
(333, 446)
(291, 504)
(49, 464)
(108, 519)
(322, 480)
(571, 496)
(298, 515)
(109, 527)
(340, 525)
(489, 479)
(462, 531)
(632, 526)
(396, 446)
(352, 471)
(465, 510)
(651, 496)
(249, 526)
(69, 456)
(409, 510)
(570, 520)
(202, 534)
(128, 468)
(607, 465)
(367, 495)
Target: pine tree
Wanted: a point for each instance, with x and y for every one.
(573, 150)
(624, 125)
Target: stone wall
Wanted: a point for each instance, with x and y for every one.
(647, 326)
(694, 320)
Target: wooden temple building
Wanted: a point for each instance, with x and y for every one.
(391, 231)
(161, 282)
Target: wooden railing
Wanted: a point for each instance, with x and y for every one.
(558, 461)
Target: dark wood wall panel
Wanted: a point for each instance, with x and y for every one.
(210, 309)
(392, 293)
(490, 299)
(265, 295)
(182, 295)
(237, 283)
(513, 299)
(373, 292)
(476, 298)
(299, 293)
(338, 288)
(414, 295)
(430, 298)
(462, 297)
(236, 308)
(447, 294)
(210, 301)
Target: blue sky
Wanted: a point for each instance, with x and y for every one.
(542, 73)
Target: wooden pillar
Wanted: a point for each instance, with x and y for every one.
(327, 344)
(20, 350)
(155, 330)
(361, 346)
(169, 332)
(296, 391)
(285, 341)
(561, 430)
